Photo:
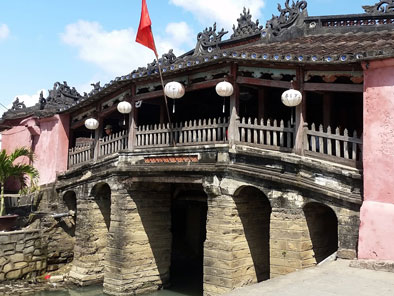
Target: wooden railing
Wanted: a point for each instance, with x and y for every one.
(324, 144)
(183, 134)
(333, 145)
(113, 143)
(80, 154)
(269, 134)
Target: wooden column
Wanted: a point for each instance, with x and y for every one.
(300, 115)
(233, 132)
(132, 122)
(97, 134)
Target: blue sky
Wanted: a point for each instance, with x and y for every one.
(85, 41)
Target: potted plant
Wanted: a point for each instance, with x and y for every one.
(18, 170)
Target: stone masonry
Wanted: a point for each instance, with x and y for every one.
(139, 246)
(91, 235)
(262, 221)
(22, 255)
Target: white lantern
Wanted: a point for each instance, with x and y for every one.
(91, 123)
(291, 98)
(224, 89)
(174, 90)
(124, 107)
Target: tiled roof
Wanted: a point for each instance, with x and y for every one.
(328, 47)
(291, 37)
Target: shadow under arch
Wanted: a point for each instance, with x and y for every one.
(70, 202)
(323, 229)
(254, 210)
(102, 196)
(189, 206)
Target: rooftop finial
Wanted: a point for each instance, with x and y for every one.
(384, 6)
(246, 26)
(288, 16)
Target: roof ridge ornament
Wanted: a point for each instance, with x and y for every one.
(96, 88)
(16, 105)
(61, 96)
(208, 40)
(384, 6)
(246, 26)
(165, 60)
(288, 17)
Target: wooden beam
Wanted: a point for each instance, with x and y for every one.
(334, 87)
(263, 82)
(192, 87)
(204, 84)
(149, 95)
(107, 111)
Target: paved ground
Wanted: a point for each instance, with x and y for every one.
(331, 279)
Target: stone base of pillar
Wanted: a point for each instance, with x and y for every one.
(83, 277)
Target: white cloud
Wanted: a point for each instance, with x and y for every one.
(180, 33)
(224, 12)
(116, 52)
(30, 100)
(4, 31)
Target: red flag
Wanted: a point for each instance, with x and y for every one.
(144, 34)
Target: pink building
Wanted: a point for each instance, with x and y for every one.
(377, 212)
(315, 179)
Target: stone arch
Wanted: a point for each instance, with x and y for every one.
(322, 224)
(101, 193)
(254, 211)
(69, 199)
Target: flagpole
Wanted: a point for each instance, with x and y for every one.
(145, 37)
(165, 100)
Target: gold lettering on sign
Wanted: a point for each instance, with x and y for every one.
(171, 159)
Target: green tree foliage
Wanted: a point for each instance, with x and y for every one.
(20, 171)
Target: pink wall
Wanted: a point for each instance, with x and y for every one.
(48, 138)
(377, 213)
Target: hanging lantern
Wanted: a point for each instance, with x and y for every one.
(91, 123)
(224, 89)
(291, 98)
(124, 107)
(174, 90)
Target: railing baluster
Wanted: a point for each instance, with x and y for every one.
(255, 139)
(329, 141)
(209, 130)
(214, 130)
(242, 133)
(321, 141)
(337, 144)
(275, 135)
(249, 131)
(168, 134)
(354, 147)
(190, 133)
(289, 136)
(155, 134)
(268, 133)
(199, 132)
(224, 129)
(219, 135)
(313, 138)
(204, 132)
(180, 133)
(345, 144)
(281, 138)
